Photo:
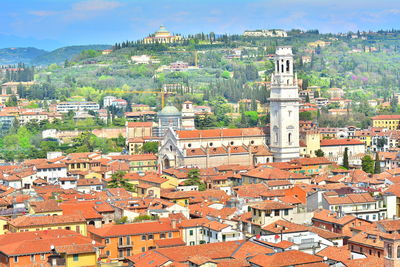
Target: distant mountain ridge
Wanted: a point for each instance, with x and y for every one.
(21, 54)
(34, 56)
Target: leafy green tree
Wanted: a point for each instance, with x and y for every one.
(367, 164)
(377, 167)
(225, 74)
(307, 98)
(194, 179)
(381, 142)
(122, 220)
(120, 141)
(145, 217)
(346, 159)
(393, 104)
(119, 181)
(150, 147)
(319, 153)
(12, 101)
(251, 118)
(305, 116)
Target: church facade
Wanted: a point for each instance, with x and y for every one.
(284, 108)
(215, 147)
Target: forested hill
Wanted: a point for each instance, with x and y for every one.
(22, 54)
(61, 54)
(34, 56)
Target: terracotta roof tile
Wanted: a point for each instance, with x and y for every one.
(281, 226)
(171, 242)
(133, 229)
(266, 173)
(220, 133)
(332, 217)
(340, 142)
(286, 258)
(271, 205)
(30, 221)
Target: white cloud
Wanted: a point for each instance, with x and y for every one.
(81, 10)
(96, 5)
(43, 13)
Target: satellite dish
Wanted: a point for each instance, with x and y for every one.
(93, 242)
(52, 247)
(325, 258)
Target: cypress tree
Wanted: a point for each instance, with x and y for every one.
(346, 159)
(377, 168)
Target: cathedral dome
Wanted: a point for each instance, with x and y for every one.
(169, 111)
(162, 31)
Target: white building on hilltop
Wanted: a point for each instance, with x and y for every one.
(284, 108)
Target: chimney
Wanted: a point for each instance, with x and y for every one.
(173, 223)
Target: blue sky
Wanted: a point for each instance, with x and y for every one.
(52, 23)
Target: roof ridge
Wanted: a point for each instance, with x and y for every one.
(237, 249)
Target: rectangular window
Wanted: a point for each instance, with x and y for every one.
(107, 241)
(143, 249)
(120, 241)
(286, 212)
(191, 232)
(32, 258)
(169, 235)
(76, 257)
(128, 252)
(162, 236)
(42, 256)
(276, 212)
(128, 240)
(120, 253)
(16, 259)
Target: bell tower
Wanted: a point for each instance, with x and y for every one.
(188, 116)
(284, 108)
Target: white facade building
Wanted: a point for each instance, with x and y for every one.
(284, 106)
(64, 107)
(51, 172)
(107, 101)
(202, 230)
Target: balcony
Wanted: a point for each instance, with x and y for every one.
(125, 245)
(309, 245)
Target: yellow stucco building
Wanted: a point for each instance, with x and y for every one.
(162, 36)
(391, 122)
(75, 223)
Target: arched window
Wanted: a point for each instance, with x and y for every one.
(398, 252)
(389, 251)
(287, 65)
(276, 137)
